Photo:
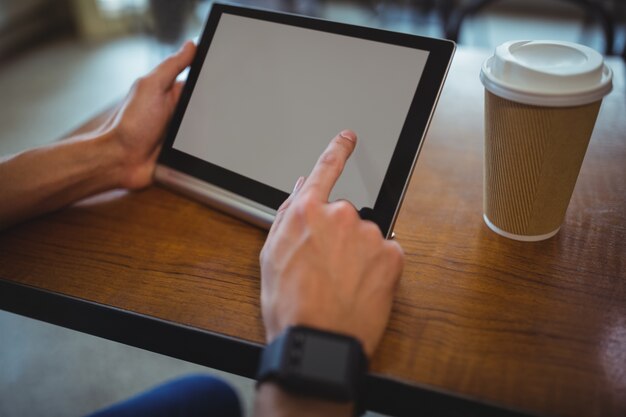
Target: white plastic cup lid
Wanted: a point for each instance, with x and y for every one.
(547, 73)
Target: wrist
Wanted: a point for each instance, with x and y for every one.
(313, 363)
(113, 156)
(367, 343)
(131, 168)
(272, 400)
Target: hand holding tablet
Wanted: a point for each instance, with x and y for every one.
(265, 92)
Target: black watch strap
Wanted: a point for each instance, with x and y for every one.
(313, 362)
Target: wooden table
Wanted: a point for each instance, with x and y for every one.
(478, 321)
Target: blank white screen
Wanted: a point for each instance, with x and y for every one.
(270, 97)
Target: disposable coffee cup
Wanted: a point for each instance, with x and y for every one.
(542, 99)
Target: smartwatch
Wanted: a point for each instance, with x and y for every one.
(313, 362)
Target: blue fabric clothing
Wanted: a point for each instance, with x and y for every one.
(190, 396)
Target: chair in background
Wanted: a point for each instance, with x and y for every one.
(595, 10)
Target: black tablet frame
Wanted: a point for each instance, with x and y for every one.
(409, 143)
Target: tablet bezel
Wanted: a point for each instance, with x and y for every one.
(407, 148)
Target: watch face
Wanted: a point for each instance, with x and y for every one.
(325, 359)
(314, 362)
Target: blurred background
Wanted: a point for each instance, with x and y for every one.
(64, 61)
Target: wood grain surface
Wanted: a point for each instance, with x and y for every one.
(536, 326)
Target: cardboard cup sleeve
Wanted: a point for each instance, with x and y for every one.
(532, 158)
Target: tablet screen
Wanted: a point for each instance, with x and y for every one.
(270, 96)
(266, 93)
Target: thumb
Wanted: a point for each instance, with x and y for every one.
(167, 71)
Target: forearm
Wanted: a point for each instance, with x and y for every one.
(273, 401)
(50, 177)
(121, 153)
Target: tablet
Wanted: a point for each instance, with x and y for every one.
(267, 92)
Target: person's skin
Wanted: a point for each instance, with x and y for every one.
(120, 154)
(324, 267)
(321, 265)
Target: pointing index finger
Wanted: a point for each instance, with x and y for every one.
(330, 164)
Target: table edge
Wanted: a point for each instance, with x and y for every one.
(221, 352)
